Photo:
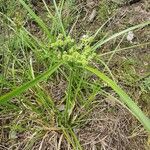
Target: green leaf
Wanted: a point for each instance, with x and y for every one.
(29, 84)
(101, 42)
(136, 111)
(37, 19)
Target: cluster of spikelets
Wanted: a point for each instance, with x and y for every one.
(69, 51)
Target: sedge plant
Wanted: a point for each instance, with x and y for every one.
(58, 54)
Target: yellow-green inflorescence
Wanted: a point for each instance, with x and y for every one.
(69, 51)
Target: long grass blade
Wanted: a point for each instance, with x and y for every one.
(136, 111)
(29, 84)
(98, 44)
(37, 19)
(59, 18)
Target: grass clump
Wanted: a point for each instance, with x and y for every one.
(34, 62)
